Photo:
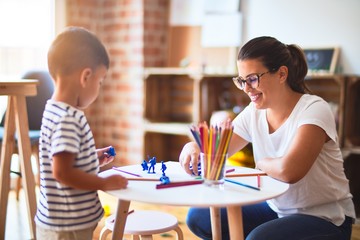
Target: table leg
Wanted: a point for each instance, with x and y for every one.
(28, 179)
(235, 222)
(120, 219)
(6, 153)
(215, 223)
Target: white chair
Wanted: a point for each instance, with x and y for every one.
(143, 224)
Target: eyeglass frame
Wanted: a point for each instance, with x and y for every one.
(240, 81)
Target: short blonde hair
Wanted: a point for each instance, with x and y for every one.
(74, 49)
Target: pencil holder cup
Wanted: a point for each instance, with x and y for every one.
(213, 169)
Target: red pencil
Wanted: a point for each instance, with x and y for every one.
(178, 184)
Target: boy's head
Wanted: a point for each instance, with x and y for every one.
(74, 50)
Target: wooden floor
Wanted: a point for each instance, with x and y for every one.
(17, 227)
(180, 212)
(17, 221)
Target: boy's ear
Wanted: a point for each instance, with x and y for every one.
(85, 76)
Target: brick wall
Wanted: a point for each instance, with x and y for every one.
(155, 32)
(134, 33)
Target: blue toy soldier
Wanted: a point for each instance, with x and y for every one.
(144, 165)
(163, 168)
(164, 179)
(152, 162)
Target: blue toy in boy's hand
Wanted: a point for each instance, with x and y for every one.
(111, 151)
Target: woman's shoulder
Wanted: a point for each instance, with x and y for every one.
(315, 105)
(311, 98)
(308, 100)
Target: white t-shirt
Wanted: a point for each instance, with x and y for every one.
(324, 190)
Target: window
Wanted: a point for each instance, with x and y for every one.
(27, 28)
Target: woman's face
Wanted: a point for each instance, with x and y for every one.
(263, 92)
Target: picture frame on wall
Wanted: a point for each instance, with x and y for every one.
(322, 60)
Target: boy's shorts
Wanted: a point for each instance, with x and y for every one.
(46, 234)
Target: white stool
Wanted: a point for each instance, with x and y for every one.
(144, 224)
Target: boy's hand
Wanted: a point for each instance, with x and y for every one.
(104, 156)
(114, 182)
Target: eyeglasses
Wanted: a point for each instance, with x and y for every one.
(253, 80)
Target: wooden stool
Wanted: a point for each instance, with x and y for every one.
(143, 224)
(16, 120)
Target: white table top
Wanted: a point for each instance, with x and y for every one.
(198, 195)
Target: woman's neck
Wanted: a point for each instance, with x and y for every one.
(278, 114)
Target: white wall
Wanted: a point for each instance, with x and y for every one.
(308, 23)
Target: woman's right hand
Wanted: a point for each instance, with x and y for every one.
(189, 156)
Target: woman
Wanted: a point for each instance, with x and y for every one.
(294, 140)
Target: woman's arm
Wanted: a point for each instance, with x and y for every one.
(236, 144)
(294, 165)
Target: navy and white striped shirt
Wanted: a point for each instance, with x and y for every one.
(62, 208)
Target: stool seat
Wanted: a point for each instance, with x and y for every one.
(145, 223)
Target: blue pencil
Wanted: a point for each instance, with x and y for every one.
(242, 184)
(196, 137)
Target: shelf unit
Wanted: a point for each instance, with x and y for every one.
(175, 98)
(352, 116)
(341, 91)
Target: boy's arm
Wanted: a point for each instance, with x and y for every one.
(65, 173)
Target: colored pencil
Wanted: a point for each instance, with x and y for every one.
(214, 144)
(242, 184)
(178, 184)
(245, 175)
(227, 141)
(130, 173)
(196, 136)
(230, 170)
(143, 179)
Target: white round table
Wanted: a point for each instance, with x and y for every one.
(232, 196)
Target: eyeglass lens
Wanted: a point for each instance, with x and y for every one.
(251, 80)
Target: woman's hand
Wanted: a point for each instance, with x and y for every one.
(189, 156)
(104, 157)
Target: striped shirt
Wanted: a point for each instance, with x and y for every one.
(62, 208)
